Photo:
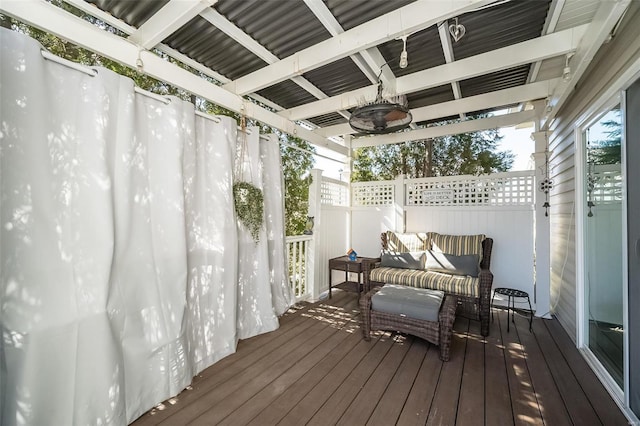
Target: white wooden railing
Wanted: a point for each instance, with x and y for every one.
(297, 256)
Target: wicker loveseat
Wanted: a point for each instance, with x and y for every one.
(473, 293)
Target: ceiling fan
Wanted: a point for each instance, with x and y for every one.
(384, 115)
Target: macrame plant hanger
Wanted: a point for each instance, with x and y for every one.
(247, 198)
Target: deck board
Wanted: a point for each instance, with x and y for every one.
(523, 397)
(418, 404)
(549, 399)
(292, 395)
(335, 406)
(605, 407)
(578, 405)
(444, 406)
(361, 408)
(498, 397)
(316, 369)
(471, 402)
(390, 404)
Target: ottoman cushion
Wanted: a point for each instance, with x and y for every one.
(418, 303)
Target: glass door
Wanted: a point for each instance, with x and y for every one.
(603, 219)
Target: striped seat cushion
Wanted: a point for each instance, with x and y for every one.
(411, 242)
(458, 245)
(454, 284)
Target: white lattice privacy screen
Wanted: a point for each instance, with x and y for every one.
(607, 184)
(372, 193)
(500, 189)
(334, 192)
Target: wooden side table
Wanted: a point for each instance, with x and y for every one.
(343, 263)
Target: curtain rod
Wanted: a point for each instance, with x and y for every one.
(70, 64)
(164, 99)
(217, 120)
(93, 72)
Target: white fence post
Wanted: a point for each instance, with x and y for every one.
(314, 273)
(399, 202)
(543, 236)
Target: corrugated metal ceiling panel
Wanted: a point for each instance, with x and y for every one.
(134, 13)
(577, 12)
(338, 77)
(500, 26)
(551, 68)
(431, 96)
(351, 13)
(203, 42)
(330, 119)
(423, 48)
(499, 80)
(283, 27)
(287, 94)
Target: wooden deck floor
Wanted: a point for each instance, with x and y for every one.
(316, 369)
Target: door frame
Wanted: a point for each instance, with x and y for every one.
(593, 114)
(615, 93)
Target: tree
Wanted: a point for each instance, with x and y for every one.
(296, 167)
(469, 153)
(609, 150)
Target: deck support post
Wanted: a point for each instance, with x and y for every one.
(315, 270)
(542, 242)
(399, 202)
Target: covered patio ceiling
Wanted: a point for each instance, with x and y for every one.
(310, 62)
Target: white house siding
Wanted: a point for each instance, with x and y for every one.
(610, 63)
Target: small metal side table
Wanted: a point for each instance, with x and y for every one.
(511, 294)
(343, 263)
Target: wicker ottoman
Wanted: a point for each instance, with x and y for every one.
(410, 310)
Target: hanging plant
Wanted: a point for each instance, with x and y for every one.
(249, 207)
(248, 198)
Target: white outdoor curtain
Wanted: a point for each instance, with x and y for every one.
(149, 271)
(118, 244)
(60, 356)
(256, 313)
(273, 183)
(212, 241)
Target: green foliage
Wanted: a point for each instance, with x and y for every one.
(249, 204)
(296, 167)
(608, 151)
(464, 154)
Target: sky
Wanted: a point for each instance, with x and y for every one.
(515, 140)
(520, 143)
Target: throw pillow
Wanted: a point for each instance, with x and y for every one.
(457, 244)
(450, 264)
(410, 260)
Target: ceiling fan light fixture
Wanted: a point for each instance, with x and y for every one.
(380, 118)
